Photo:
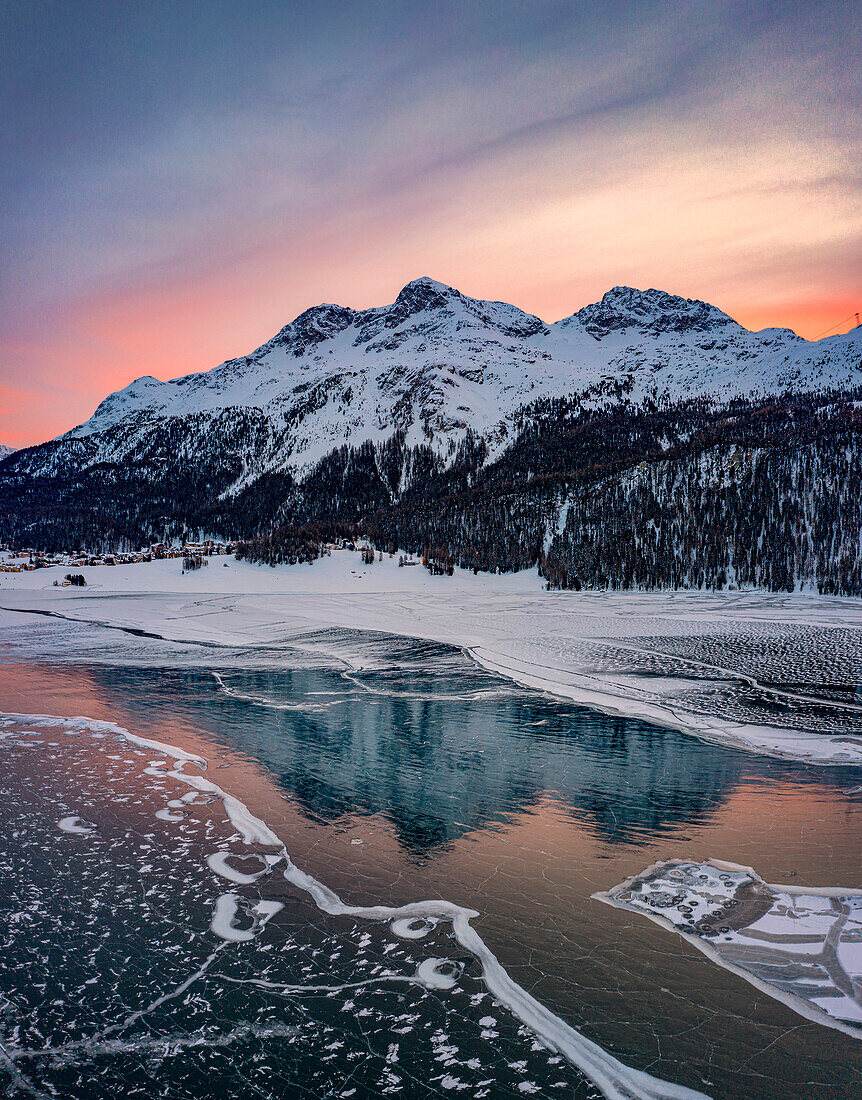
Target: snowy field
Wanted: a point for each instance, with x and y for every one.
(772, 673)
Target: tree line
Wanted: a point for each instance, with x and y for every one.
(595, 490)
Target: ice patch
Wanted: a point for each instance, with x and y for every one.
(75, 825)
(166, 815)
(438, 973)
(800, 945)
(218, 862)
(413, 928)
(230, 907)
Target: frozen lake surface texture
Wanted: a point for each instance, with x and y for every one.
(347, 840)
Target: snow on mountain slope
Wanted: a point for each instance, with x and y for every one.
(5, 451)
(436, 363)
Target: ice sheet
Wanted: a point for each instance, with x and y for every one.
(237, 919)
(772, 673)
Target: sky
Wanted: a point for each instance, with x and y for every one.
(179, 180)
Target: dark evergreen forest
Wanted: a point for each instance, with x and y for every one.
(761, 492)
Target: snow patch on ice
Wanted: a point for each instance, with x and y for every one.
(74, 824)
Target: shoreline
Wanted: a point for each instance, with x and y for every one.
(509, 625)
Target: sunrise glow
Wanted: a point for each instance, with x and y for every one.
(179, 189)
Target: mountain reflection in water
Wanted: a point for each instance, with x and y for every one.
(397, 771)
(443, 753)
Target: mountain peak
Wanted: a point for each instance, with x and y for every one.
(429, 295)
(427, 283)
(653, 311)
(424, 293)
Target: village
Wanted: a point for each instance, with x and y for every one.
(194, 554)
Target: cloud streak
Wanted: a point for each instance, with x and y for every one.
(180, 183)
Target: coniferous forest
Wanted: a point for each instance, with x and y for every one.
(757, 492)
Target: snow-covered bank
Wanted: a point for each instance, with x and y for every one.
(689, 660)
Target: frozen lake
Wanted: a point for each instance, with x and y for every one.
(154, 945)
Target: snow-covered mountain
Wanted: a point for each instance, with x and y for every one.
(473, 432)
(6, 451)
(435, 364)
